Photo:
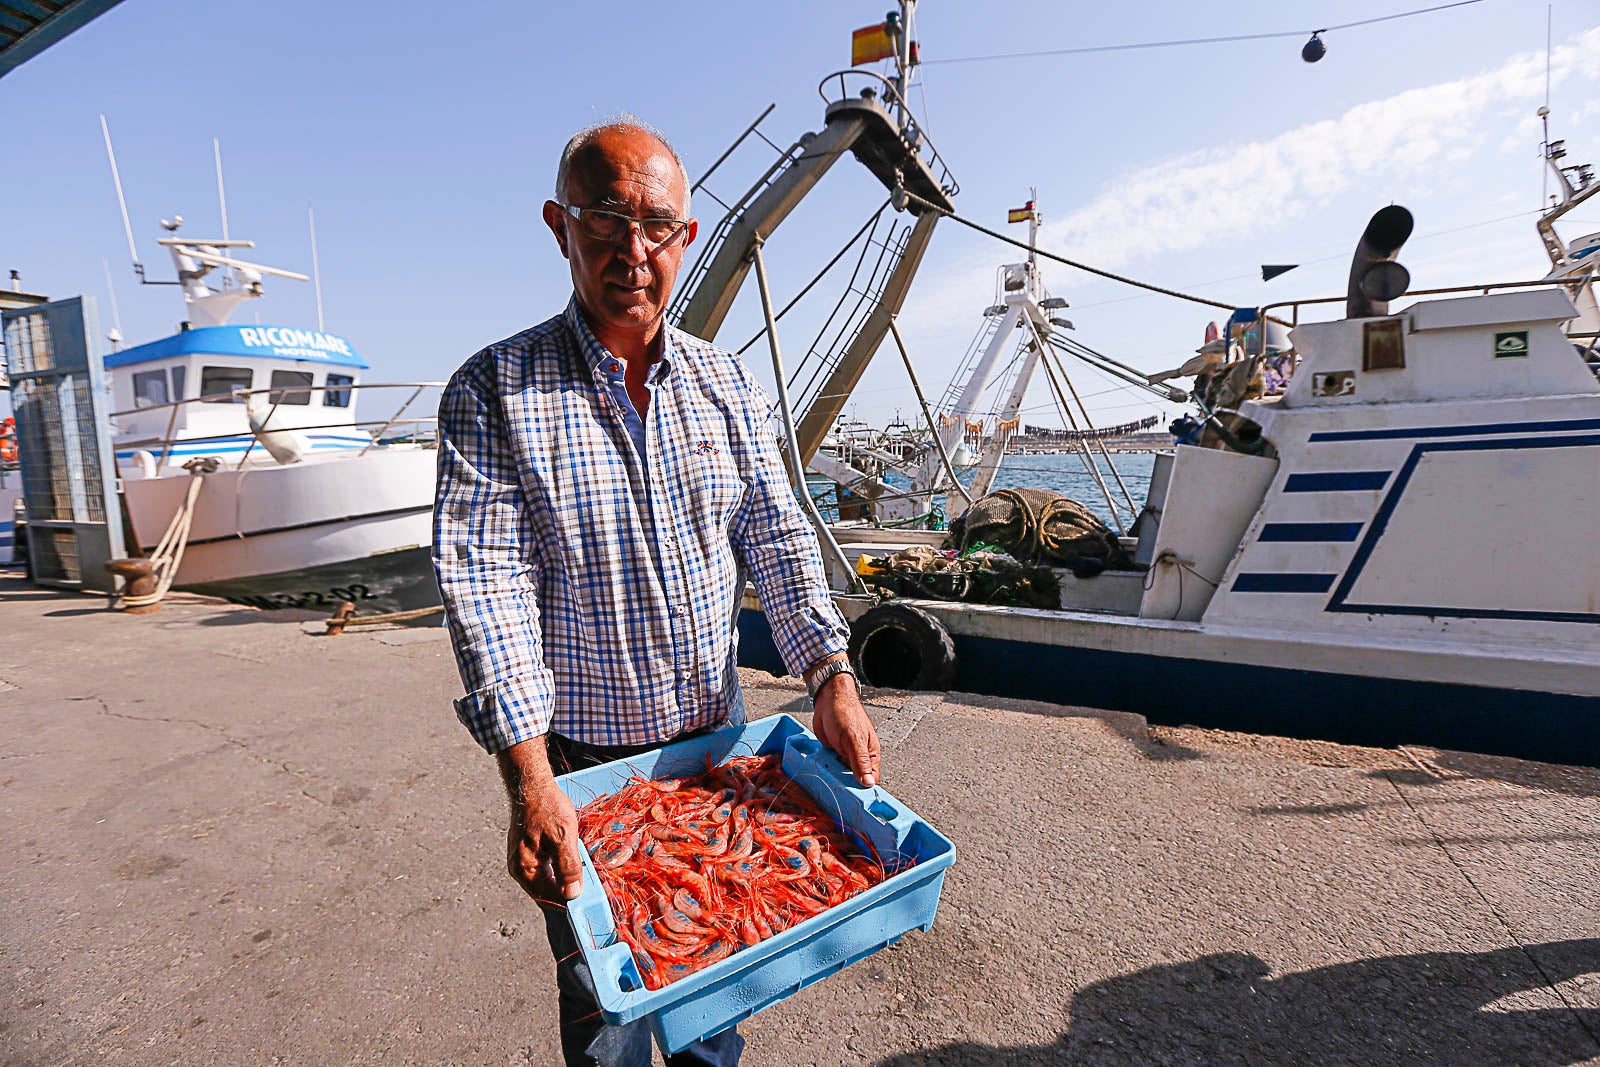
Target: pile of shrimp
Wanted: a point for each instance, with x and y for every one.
(698, 868)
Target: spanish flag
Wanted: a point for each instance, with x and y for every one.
(1021, 214)
(870, 44)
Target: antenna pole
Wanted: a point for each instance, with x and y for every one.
(111, 291)
(1033, 225)
(127, 227)
(1547, 19)
(902, 61)
(1544, 117)
(222, 196)
(316, 271)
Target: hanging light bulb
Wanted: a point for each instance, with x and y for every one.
(1314, 49)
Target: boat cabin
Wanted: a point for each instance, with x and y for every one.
(189, 388)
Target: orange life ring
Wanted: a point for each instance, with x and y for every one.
(8, 441)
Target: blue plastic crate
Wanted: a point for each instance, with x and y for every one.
(757, 977)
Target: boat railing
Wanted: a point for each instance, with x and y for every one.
(1592, 350)
(419, 425)
(910, 128)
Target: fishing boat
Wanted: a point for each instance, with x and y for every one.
(1392, 544)
(242, 458)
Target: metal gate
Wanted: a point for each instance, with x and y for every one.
(61, 395)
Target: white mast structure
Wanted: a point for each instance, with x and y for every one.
(193, 259)
(1025, 305)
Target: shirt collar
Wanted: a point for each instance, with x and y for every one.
(599, 357)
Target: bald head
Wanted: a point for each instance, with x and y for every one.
(622, 276)
(587, 160)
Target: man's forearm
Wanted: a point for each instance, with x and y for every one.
(525, 769)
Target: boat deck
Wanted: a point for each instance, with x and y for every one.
(234, 840)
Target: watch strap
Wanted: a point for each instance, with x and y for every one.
(827, 671)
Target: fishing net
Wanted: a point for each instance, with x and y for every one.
(982, 575)
(1038, 526)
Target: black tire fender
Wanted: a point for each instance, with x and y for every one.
(897, 646)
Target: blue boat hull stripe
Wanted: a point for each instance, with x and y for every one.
(1380, 522)
(1310, 531)
(1457, 431)
(1285, 582)
(1288, 701)
(1335, 481)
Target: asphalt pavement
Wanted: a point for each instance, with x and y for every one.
(229, 839)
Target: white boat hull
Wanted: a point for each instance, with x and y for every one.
(335, 527)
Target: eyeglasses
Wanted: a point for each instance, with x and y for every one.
(614, 228)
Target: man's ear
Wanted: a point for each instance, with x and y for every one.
(694, 231)
(555, 217)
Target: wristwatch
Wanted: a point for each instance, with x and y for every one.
(828, 670)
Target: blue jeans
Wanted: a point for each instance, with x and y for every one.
(587, 1040)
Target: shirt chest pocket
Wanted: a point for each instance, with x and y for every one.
(711, 479)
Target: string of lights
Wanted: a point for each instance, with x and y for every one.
(1314, 48)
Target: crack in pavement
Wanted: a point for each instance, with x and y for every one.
(898, 724)
(283, 765)
(1494, 909)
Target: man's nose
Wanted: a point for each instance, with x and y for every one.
(633, 250)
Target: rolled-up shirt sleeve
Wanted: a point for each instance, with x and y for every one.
(777, 546)
(485, 556)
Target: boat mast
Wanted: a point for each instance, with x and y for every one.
(1024, 301)
(875, 124)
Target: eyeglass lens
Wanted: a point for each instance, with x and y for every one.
(610, 226)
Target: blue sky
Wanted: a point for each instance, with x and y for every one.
(427, 138)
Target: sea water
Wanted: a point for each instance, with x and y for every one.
(1065, 473)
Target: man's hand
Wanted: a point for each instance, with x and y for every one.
(841, 723)
(542, 841)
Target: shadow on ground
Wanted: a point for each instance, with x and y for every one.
(1127, 725)
(1428, 1009)
(1578, 781)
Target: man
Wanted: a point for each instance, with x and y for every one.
(606, 483)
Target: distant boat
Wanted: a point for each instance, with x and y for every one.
(304, 505)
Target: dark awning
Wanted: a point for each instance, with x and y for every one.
(28, 27)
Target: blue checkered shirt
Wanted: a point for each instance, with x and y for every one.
(593, 588)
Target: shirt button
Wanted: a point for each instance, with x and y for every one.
(681, 611)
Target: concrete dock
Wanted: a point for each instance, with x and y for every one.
(228, 839)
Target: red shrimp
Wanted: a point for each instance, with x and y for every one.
(673, 836)
(615, 856)
(647, 937)
(791, 864)
(678, 921)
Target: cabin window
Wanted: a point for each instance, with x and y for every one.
(218, 383)
(337, 395)
(178, 376)
(150, 388)
(283, 380)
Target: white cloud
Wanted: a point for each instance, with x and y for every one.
(1235, 191)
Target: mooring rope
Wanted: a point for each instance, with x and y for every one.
(168, 554)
